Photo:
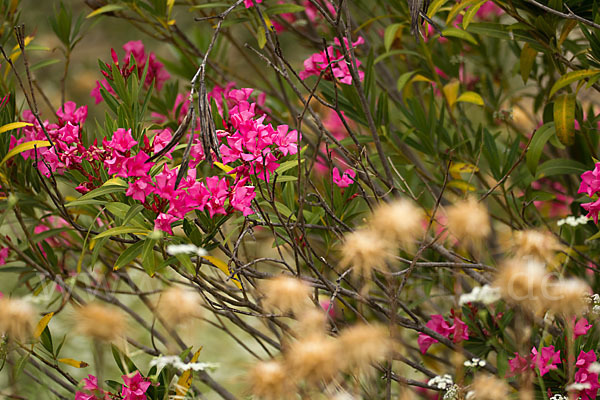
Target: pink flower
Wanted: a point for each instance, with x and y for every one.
(4, 252)
(518, 365)
(138, 165)
(346, 179)
(590, 181)
(250, 3)
(332, 58)
(218, 189)
(242, 197)
(583, 375)
(134, 387)
(116, 165)
(489, 9)
(91, 383)
(95, 93)
(458, 331)
(161, 140)
(581, 327)
(83, 396)
(593, 208)
(163, 223)
(140, 188)
(287, 141)
(70, 113)
(122, 140)
(546, 359)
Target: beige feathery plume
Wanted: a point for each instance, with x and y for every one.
(286, 294)
(568, 297)
(16, 318)
(534, 243)
(269, 380)
(100, 322)
(400, 221)
(488, 387)
(523, 282)
(365, 250)
(312, 321)
(362, 345)
(177, 305)
(469, 222)
(313, 359)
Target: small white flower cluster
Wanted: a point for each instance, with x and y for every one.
(441, 381)
(481, 294)
(474, 363)
(559, 397)
(175, 249)
(452, 393)
(572, 221)
(594, 302)
(175, 361)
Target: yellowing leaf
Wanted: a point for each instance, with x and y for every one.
(451, 91)
(115, 181)
(13, 125)
(471, 97)
(434, 7)
(571, 77)
(223, 267)
(24, 147)
(42, 325)
(567, 28)
(564, 118)
(170, 4)
(73, 363)
(185, 380)
(261, 37)
(462, 185)
(470, 13)
(224, 167)
(105, 9)
(457, 8)
(27, 40)
(527, 59)
(459, 167)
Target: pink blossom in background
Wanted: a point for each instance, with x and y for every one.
(4, 253)
(95, 93)
(344, 180)
(458, 331)
(583, 375)
(250, 3)
(332, 60)
(590, 184)
(560, 205)
(489, 9)
(546, 359)
(134, 387)
(518, 365)
(581, 327)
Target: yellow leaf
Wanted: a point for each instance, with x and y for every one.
(42, 325)
(24, 147)
(457, 168)
(223, 267)
(73, 363)
(564, 118)
(528, 55)
(470, 97)
(14, 125)
(185, 380)
(462, 185)
(434, 7)
(571, 77)
(470, 13)
(224, 167)
(115, 181)
(27, 40)
(170, 4)
(451, 91)
(457, 8)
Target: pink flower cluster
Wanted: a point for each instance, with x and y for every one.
(457, 332)
(590, 184)
(250, 3)
(320, 63)
(156, 70)
(312, 12)
(557, 207)
(344, 180)
(585, 376)
(134, 388)
(545, 360)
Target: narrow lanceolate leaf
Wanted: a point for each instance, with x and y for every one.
(185, 381)
(73, 363)
(14, 125)
(460, 34)
(390, 35)
(528, 55)
(534, 152)
(107, 8)
(24, 147)
(121, 230)
(223, 267)
(564, 118)
(471, 97)
(470, 13)
(571, 77)
(451, 91)
(42, 325)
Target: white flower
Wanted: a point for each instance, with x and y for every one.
(594, 368)
(451, 393)
(175, 249)
(441, 381)
(175, 361)
(577, 386)
(481, 294)
(559, 397)
(475, 362)
(572, 221)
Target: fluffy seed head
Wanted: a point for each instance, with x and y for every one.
(285, 294)
(313, 359)
(523, 282)
(364, 345)
(469, 221)
(100, 322)
(269, 380)
(537, 244)
(487, 387)
(312, 321)
(365, 250)
(568, 297)
(177, 305)
(400, 221)
(16, 318)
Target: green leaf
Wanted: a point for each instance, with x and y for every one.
(536, 147)
(564, 118)
(460, 34)
(284, 9)
(470, 13)
(105, 9)
(128, 255)
(288, 165)
(390, 35)
(471, 97)
(101, 191)
(528, 55)
(404, 79)
(121, 230)
(148, 260)
(261, 37)
(560, 166)
(571, 77)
